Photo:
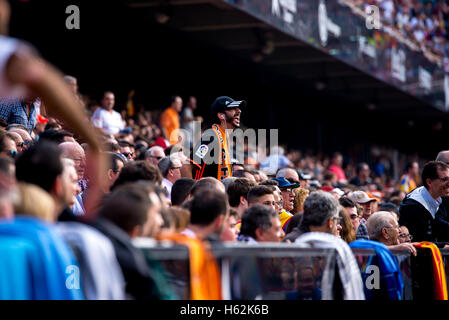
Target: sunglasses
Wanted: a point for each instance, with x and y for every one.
(126, 154)
(158, 158)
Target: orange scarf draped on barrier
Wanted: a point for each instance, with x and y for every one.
(439, 274)
(224, 162)
(205, 279)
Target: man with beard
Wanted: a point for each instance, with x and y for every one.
(424, 210)
(212, 154)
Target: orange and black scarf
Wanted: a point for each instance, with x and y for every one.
(224, 162)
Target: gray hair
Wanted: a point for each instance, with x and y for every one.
(150, 152)
(319, 207)
(376, 222)
(164, 165)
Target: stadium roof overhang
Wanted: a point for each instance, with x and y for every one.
(257, 31)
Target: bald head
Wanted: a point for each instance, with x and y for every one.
(443, 156)
(74, 151)
(288, 173)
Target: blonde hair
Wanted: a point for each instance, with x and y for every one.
(35, 202)
(300, 196)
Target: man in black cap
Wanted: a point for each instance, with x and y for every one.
(212, 153)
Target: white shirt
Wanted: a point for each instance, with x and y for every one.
(110, 122)
(167, 185)
(423, 196)
(9, 46)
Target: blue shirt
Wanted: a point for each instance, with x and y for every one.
(16, 112)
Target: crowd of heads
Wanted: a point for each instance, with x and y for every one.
(426, 22)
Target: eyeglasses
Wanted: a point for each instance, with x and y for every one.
(280, 203)
(405, 236)
(126, 154)
(354, 216)
(445, 179)
(20, 144)
(158, 158)
(338, 219)
(289, 190)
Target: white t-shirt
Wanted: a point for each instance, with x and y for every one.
(8, 46)
(110, 122)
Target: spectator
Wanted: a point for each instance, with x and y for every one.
(245, 174)
(230, 232)
(275, 161)
(404, 235)
(260, 224)
(170, 168)
(363, 175)
(57, 136)
(424, 210)
(126, 214)
(238, 194)
(169, 121)
(337, 167)
(207, 183)
(75, 152)
(351, 209)
(188, 118)
(300, 196)
(288, 198)
(225, 113)
(208, 211)
(345, 228)
(289, 174)
(154, 155)
(261, 195)
(180, 191)
(8, 147)
(321, 211)
(20, 112)
(54, 177)
(138, 170)
(408, 181)
(127, 150)
(383, 227)
(106, 118)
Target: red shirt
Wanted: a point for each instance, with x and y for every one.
(338, 171)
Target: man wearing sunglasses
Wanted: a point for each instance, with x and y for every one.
(8, 147)
(424, 210)
(154, 155)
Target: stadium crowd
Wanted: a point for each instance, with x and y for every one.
(150, 188)
(426, 22)
(80, 184)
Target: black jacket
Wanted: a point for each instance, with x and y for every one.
(138, 275)
(420, 223)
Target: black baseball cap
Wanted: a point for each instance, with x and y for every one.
(224, 103)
